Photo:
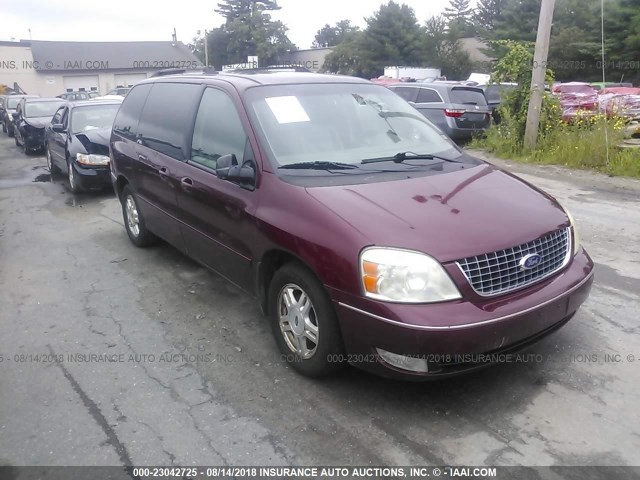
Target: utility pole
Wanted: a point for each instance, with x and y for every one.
(539, 73)
(206, 49)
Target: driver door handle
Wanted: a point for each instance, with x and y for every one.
(187, 183)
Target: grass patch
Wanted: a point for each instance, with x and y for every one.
(578, 145)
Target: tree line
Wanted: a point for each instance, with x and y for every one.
(393, 35)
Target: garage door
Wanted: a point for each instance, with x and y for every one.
(83, 83)
(129, 79)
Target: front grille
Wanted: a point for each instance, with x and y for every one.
(500, 272)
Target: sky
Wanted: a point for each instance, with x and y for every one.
(155, 20)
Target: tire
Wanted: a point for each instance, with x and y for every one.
(11, 132)
(53, 170)
(4, 128)
(74, 186)
(308, 338)
(134, 221)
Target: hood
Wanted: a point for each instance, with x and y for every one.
(449, 216)
(95, 141)
(38, 122)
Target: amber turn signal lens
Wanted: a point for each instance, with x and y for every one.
(370, 277)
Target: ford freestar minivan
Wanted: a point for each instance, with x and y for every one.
(366, 235)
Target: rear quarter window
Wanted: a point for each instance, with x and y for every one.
(408, 93)
(467, 96)
(128, 117)
(428, 95)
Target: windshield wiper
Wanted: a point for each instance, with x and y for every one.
(319, 166)
(402, 156)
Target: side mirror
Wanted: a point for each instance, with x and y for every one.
(227, 168)
(243, 175)
(224, 165)
(57, 127)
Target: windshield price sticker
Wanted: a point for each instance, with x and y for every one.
(287, 109)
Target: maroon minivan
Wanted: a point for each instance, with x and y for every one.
(366, 235)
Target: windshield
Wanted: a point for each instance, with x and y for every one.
(12, 103)
(345, 123)
(41, 109)
(92, 117)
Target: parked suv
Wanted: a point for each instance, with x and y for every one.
(365, 234)
(459, 110)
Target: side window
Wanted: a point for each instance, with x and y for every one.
(408, 93)
(218, 130)
(126, 121)
(57, 117)
(167, 116)
(427, 95)
(65, 117)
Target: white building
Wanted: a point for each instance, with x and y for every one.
(51, 68)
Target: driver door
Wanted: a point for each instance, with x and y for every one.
(218, 215)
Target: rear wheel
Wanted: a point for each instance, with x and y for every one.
(4, 127)
(10, 132)
(304, 322)
(134, 221)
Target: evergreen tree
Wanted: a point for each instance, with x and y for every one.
(459, 14)
(233, 9)
(486, 14)
(329, 36)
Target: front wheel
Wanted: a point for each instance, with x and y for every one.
(304, 322)
(50, 165)
(74, 186)
(134, 221)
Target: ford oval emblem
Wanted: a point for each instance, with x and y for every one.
(530, 261)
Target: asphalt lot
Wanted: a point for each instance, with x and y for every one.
(198, 379)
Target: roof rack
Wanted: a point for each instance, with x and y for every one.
(276, 68)
(181, 71)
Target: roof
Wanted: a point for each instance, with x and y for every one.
(21, 43)
(44, 99)
(92, 103)
(65, 56)
(246, 80)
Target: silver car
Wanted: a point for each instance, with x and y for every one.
(461, 111)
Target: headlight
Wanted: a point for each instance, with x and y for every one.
(395, 275)
(576, 236)
(91, 159)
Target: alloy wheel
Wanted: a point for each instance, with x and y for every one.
(298, 321)
(133, 220)
(72, 178)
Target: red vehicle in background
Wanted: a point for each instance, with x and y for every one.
(385, 81)
(577, 100)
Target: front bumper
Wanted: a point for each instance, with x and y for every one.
(34, 139)
(92, 177)
(455, 336)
